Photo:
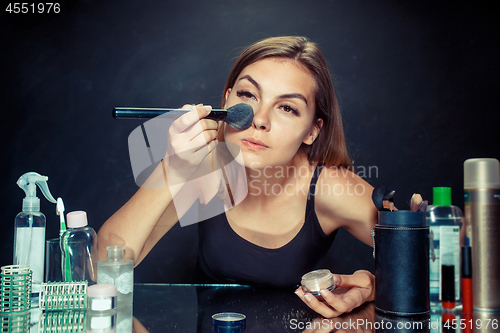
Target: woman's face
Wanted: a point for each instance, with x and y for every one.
(281, 93)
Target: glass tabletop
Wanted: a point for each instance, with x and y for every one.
(189, 308)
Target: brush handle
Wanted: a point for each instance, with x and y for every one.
(150, 113)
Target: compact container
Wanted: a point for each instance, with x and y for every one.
(401, 251)
(314, 281)
(101, 297)
(228, 322)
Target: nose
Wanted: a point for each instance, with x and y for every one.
(261, 119)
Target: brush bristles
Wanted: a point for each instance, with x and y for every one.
(240, 116)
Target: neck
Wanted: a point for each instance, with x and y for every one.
(271, 180)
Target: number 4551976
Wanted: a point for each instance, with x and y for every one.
(33, 8)
(477, 324)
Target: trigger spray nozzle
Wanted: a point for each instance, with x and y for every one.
(28, 183)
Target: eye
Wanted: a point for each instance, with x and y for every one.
(289, 109)
(245, 94)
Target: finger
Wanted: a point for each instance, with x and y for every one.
(209, 124)
(187, 120)
(194, 137)
(320, 307)
(345, 302)
(200, 138)
(211, 147)
(210, 135)
(348, 281)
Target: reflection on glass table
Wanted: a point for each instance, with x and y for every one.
(189, 308)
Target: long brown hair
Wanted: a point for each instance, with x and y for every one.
(329, 147)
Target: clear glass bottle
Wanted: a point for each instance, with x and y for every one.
(444, 221)
(118, 271)
(79, 249)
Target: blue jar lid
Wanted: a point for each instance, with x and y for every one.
(228, 322)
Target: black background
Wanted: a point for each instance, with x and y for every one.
(417, 80)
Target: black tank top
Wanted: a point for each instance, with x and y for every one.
(226, 257)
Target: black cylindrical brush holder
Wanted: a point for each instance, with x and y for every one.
(401, 250)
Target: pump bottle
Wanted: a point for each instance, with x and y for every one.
(29, 228)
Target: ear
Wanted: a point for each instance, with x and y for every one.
(226, 96)
(311, 137)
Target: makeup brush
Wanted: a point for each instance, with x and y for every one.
(239, 116)
(417, 204)
(382, 197)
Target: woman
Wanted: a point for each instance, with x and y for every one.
(279, 230)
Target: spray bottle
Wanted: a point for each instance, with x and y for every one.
(29, 228)
(482, 220)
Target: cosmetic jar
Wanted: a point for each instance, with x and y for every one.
(101, 297)
(314, 281)
(228, 322)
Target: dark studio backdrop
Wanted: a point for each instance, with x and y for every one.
(417, 81)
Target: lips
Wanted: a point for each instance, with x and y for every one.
(254, 144)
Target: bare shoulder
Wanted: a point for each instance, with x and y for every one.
(343, 199)
(343, 181)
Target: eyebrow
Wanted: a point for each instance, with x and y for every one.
(296, 95)
(252, 81)
(293, 95)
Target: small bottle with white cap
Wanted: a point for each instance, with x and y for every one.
(79, 249)
(101, 297)
(101, 308)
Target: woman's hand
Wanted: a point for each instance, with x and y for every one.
(361, 319)
(351, 291)
(190, 140)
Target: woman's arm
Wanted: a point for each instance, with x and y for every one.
(150, 213)
(344, 200)
(141, 221)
